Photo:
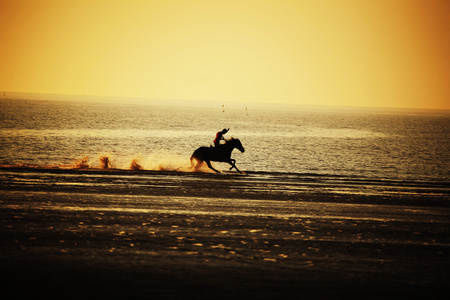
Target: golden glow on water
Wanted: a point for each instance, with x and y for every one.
(344, 52)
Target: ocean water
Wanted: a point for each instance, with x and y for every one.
(392, 145)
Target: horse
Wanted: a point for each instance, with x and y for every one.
(221, 153)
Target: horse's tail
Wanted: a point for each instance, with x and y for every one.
(192, 160)
(196, 157)
(199, 156)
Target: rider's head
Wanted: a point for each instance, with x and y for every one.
(224, 131)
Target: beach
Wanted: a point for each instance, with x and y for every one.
(177, 235)
(120, 120)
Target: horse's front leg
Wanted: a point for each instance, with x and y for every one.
(232, 162)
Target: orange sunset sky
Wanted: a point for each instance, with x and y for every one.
(337, 52)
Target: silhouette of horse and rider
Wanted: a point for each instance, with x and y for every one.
(220, 152)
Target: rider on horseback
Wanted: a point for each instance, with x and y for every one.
(219, 137)
(220, 154)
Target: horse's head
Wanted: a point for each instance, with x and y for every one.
(236, 144)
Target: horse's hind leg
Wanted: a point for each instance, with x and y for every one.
(210, 166)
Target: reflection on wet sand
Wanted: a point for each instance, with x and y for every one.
(173, 235)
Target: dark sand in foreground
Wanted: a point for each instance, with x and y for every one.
(207, 236)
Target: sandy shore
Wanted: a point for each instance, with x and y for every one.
(110, 237)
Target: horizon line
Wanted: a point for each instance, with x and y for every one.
(181, 102)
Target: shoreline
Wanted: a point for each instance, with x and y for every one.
(250, 185)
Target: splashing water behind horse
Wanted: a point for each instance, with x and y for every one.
(220, 154)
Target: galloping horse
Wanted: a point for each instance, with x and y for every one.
(221, 154)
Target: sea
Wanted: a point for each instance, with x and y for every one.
(364, 147)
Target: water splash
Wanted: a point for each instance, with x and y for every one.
(169, 162)
(82, 163)
(104, 162)
(152, 162)
(135, 165)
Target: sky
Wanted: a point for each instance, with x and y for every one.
(379, 53)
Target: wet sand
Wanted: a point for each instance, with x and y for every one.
(171, 235)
